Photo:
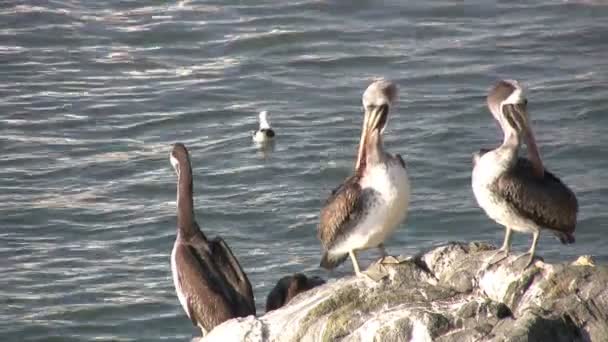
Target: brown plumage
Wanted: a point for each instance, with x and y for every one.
(202, 280)
(340, 212)
(209, 281)
(234, 274)
(288, 287)
(379, 185)
(519, 193)
(546, 201)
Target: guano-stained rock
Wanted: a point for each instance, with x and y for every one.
(448, 294)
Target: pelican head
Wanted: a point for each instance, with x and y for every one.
(377, 99)
(508, 103)
(179, 158)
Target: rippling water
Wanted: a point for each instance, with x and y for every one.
(95, 92)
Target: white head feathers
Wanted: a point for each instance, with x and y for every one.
(263, 116)
(517, 96)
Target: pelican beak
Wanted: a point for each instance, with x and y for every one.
(517, 115)
(374, 121)
(361, 152)
(378, 117)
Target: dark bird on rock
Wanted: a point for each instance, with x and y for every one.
(210, 284)
(289, 287)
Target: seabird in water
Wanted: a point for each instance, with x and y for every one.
(265, 133)
(365, 210)
(519, 193)
(210, 283)
(289, 287)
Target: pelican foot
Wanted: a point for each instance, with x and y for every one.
(501, 254)
(529, 261)
(390, 260)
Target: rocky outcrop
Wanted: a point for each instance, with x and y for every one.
(450, 293)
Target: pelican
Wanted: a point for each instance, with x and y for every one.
(366, 209)
(519, 193)
(210, 283)
(289, 287)
(264, 133)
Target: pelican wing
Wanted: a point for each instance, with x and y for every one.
(234, 274)
(340, 212)
(546, 201)
(400, 159)
(206, 302)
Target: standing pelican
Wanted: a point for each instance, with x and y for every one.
(210, 283)
(519, 193)
(265, 133)
(364, 210)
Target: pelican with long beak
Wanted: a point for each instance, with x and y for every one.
(519, 193)
(367, 208)
(209, 281)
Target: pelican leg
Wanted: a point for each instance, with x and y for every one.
(532, 251)
(358, 272)
(506, 247)
(353, 258)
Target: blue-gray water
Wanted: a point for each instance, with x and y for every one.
(93, 94)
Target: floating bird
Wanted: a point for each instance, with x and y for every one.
(264, 133)
(519, 193)
(210, 283)
(289, 287)
(364, 210)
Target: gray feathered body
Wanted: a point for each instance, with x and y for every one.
(510, 193)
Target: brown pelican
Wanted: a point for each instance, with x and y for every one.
(210, 283)
(264, 133)
(519, 193)
(364, 210)
(289, 287)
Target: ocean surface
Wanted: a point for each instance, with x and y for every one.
(93, 94)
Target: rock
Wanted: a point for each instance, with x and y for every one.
(448, 294)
